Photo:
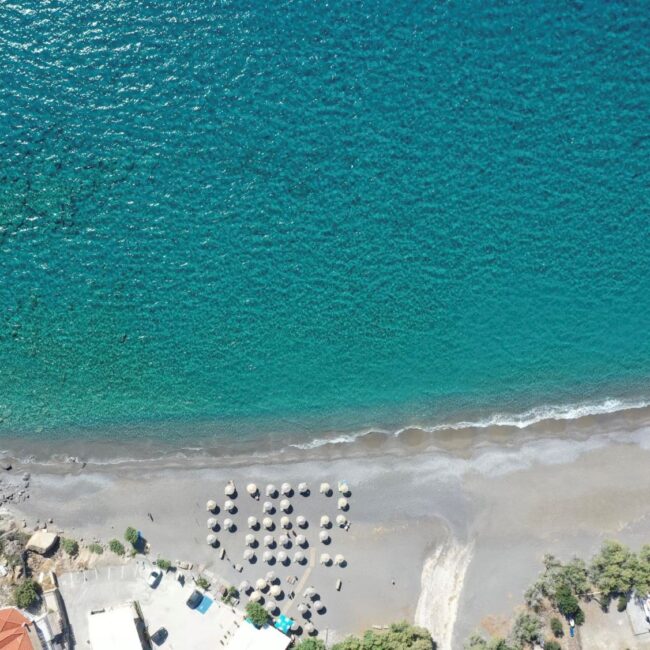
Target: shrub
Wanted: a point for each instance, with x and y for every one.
(556, 627)
(116, 546)
(399, 635)
(258, 616)
(534, 595)
(230, 594)
(26, 594)
(96, 548)
(621, 606)
(527, 630)
(131, 536)
(552, 645)
(203, 583)
(165, 565)
(70, 546)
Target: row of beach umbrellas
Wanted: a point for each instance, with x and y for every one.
(286, 489)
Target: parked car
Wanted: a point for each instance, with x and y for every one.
(154, 578)
(159, 636)
(195, 599)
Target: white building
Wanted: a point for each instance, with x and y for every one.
(118, 627)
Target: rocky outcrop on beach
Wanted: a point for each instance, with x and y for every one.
(14, 487)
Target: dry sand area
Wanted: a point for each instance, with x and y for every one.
(447, 537)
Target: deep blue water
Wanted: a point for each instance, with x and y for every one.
(306, 215)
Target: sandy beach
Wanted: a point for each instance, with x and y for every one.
(446, 535)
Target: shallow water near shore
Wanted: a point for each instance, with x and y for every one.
(295, 218)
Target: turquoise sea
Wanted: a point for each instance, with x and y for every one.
(299, 216)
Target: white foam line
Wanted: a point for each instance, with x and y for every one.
(520, 420)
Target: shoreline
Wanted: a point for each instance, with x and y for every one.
(608, 418)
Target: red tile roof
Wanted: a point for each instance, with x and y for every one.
(14, 630)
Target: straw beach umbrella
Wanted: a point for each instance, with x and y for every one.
(268, 523)
(301, 521)
(325, 559)
(249, 554)
(268, 507)
(276, 590)
(344, 488)
(325, 522)
(326, 489)
(309, 628)
(303, 488)
(343, 503)
(341, 520)
(324, 537)
(228, 524)
(250, 540)
(212, 523)
(310, 592)
(268, 557)
(271, 491)
(270, 577)
(339, 560)
(299, 557)
(285, 505)
(282, 557)
(255, 596)
(286, 489)
(318, 606)
(229, 505)
(301, 540)
(230, 490)
(285, 522)
(252, 522)
(283, 540)
(244, 586)
(211, 539)
(251, 488)
(211, 505)
(268, 540)
(270, 606)
(302, 608)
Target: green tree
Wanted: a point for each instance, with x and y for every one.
(165, 565)
(613, 569)
(26, 594)
(116, 546)
(641, 580)
(527, 630)
(203, 582)
(576, 576)
(70, 546)
(311, 644)
(96, 548)
(351, 643)
(552, 645)
(567, 603)
(258, 616)
(131, 536)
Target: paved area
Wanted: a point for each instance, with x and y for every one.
(163, 606)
